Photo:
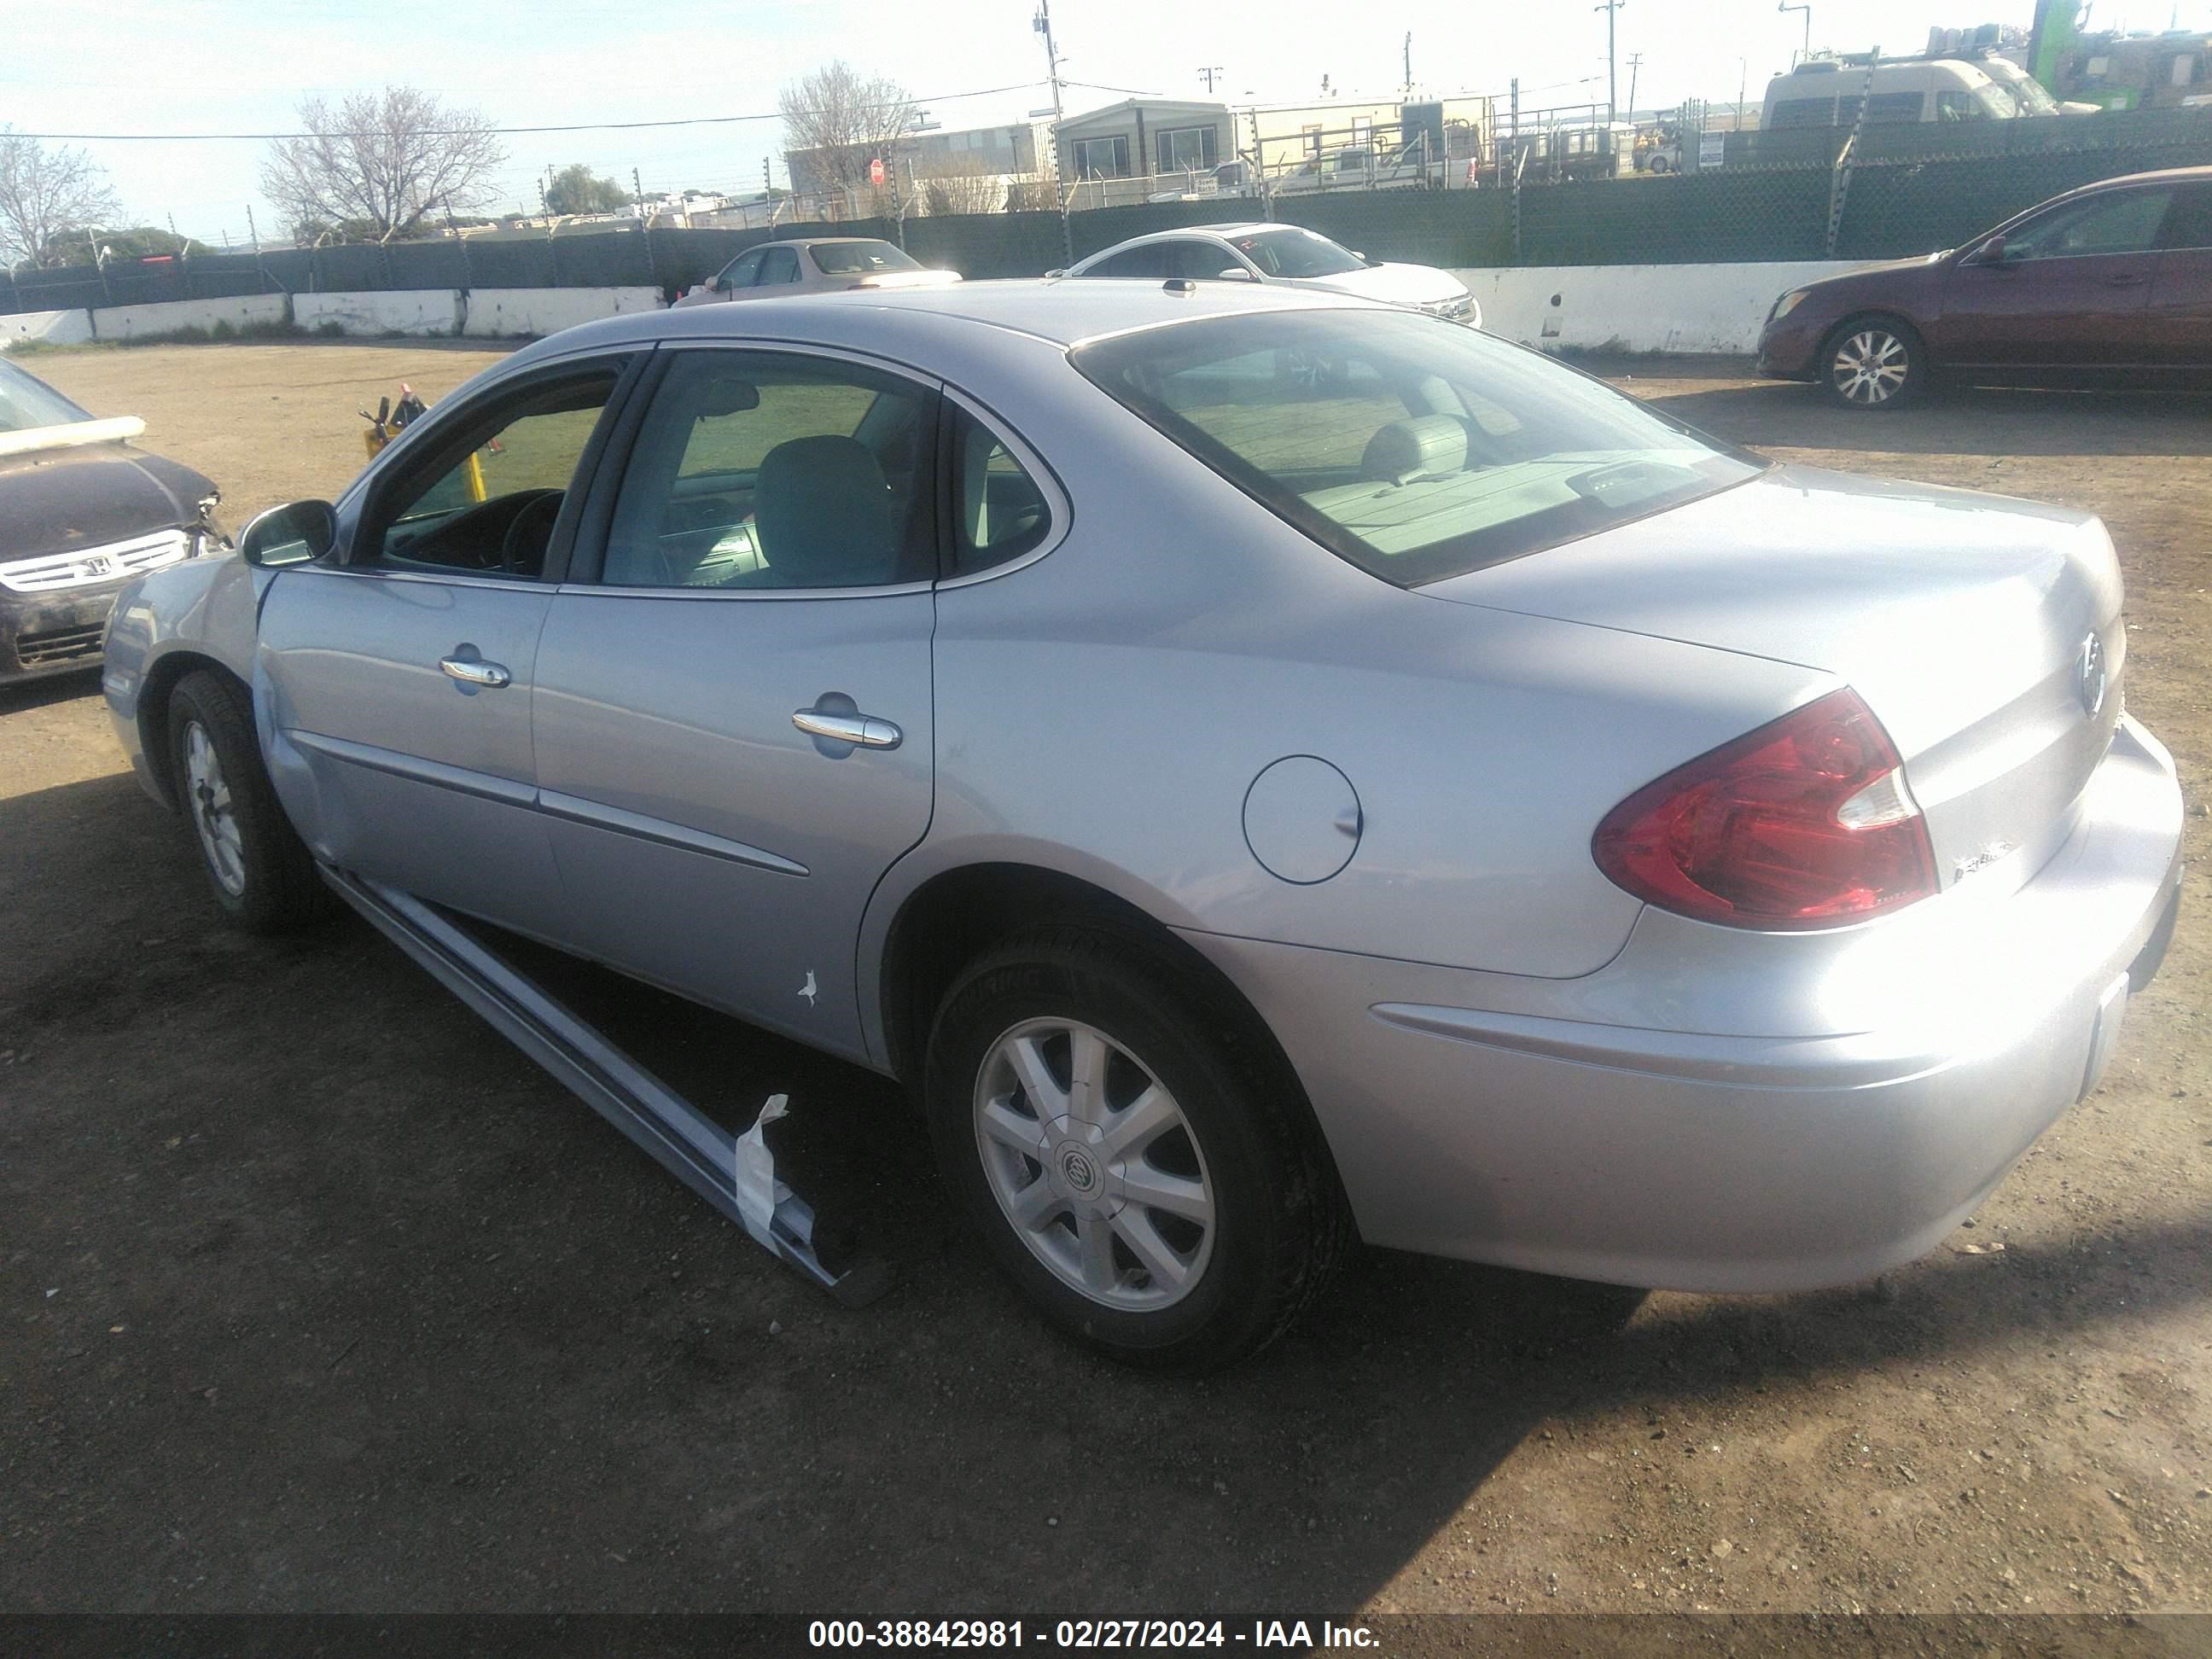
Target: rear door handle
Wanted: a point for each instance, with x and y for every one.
(862, 730)
(470, 672)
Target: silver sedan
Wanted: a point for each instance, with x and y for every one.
(1438, 801)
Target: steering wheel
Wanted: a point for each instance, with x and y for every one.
(522, 549)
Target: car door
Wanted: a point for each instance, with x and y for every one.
(2178, 320)
(733, 698)
(393, 677)
(2068, 292)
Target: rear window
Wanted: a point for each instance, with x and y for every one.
(26, 403)
(858, 258)
(1415, 448)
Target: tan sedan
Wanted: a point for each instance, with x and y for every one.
(814, 265)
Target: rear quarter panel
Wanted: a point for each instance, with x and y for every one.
(1104, 710)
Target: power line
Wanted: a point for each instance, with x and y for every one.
(459, 133)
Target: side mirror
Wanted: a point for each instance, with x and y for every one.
(1237, 274)
(1364, 260)
(1990, 253)
(293, 534)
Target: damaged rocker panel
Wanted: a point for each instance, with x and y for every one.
(733, 1173)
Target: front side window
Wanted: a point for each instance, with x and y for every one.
(1149, 261)
(1294, 253)
(484, 500)
(741, 272)
(999, 512)
(1953, 105)
(779, 264)
(2125, 222)
(858, 258)
(760, 470)
(1414, 448)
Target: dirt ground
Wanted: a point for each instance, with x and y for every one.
(317, 1295)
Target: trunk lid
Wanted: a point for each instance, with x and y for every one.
(1983, 632)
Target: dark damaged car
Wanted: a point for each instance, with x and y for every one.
(83, 513)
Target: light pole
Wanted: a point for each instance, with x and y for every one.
(1612, 68)
(1784, 5)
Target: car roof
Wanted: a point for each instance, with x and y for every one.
(1061, 312)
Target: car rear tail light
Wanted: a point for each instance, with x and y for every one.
(1806, 822)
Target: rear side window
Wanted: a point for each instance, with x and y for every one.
(762, 469)
(858, 258)
(1895, 106)
(999, 512)
(1417, 449)
(1150, 260)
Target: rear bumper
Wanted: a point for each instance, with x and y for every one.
(1705, 1134)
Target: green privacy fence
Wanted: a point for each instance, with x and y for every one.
(1901, 191)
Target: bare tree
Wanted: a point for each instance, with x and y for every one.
(960, 184)
(835, 122)
(45, 193)
(383, 161)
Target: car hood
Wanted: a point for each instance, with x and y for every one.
(1397, 285)
(1919, 263)
(52, 501)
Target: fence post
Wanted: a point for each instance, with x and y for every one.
(1840, 188)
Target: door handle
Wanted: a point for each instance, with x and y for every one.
(2126, 280)
(861, 731)
(470, 672)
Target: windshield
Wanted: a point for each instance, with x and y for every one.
(1998, 101)
(26, 403)
(1294, 253)
(1417, 449)
(2031, 97)
(858, 258)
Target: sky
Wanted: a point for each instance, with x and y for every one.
(219, 66)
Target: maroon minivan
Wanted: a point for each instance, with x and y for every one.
(2107, 285)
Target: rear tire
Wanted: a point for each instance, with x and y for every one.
(262, 875)
(1074, 1074)
(1873, 364)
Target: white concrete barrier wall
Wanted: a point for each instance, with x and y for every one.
(1672, 308)
(496, 312)
(51, 327)
(126, 322)
(413, 311)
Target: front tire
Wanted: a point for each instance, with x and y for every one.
(263, 877)
(1134, 1163)
(1873, 364)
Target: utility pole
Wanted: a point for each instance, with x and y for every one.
(637, 191)
(1742, 80)
(253, 230)
(1635, 63)
(1612, 67)
(1409, 62)
(1042, 24)
(1208, 72)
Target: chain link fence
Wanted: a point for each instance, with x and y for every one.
(1888, 191)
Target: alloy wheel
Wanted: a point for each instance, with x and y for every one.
(1870, 367)
(1094, 1164)
(212, 815)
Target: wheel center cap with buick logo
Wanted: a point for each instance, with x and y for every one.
(1078, 1171)
(2089, 676)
